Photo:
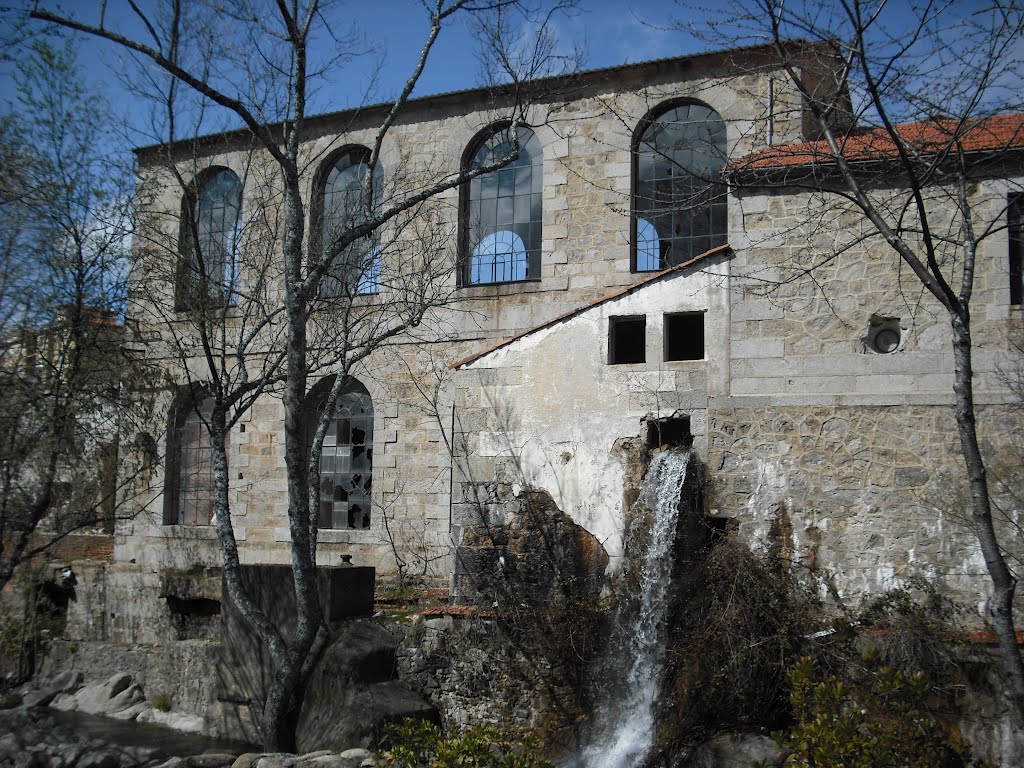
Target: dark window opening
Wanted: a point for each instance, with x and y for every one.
(627, 340)
(884, 335)
(674, 431)
(1015, 227)
(684, 336)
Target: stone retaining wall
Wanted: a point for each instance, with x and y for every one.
(865, 496)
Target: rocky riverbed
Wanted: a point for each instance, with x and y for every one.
(35, 736)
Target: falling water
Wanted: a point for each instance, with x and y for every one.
(624, 722)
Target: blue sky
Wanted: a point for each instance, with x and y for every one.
(612, 32)
(393, 30)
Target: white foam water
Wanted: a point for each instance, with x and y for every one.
(623, 726)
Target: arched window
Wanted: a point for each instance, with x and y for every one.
(502, 210)
(346, 461)
(356, 269)
(189, 495)
(209, 261)
(679, 203)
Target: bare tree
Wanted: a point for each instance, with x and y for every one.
(68, 384)
(261, 305)
(918, 121)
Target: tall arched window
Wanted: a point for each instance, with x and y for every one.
(346, 461)
(502, 210)
(211, 227)
(679, 202)
(356, 268)
(189, 494)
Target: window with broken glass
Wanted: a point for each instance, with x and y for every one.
(346, 459)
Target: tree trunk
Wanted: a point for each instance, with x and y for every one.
(1004, 584)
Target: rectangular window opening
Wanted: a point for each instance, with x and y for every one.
(684, 336)
(627, 340)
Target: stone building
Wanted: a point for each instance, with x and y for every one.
(632, 270)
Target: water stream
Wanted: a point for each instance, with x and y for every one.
(623, 725)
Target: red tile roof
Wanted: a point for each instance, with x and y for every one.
(924, 138)
(716, 251)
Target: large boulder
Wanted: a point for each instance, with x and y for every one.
(353, 695)
(352, 692)
(118, 693)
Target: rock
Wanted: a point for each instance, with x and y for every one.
(179, 721)
(117, 693)
(275, 760)
(245, 760)
(351, 696)
(65, 683)
(66, 702)
(13, 699)
(736, 750)
(356, 754)
(10, 746)
(132, 712)
(350, 758)
(326, 761)
(99, 758)
(174, 762)
(212, 760)
(39, 698)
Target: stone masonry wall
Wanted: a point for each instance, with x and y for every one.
(587, 169)
(864, 496)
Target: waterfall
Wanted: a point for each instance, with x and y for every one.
(623, 726)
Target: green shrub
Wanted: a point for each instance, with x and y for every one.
(877, 720)
(161, 702)
(419, 744)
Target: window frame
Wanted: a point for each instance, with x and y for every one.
(188, 403)
(187, 294)
(319, 219)
(719, 197)
(533, 247)
(312, 409)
